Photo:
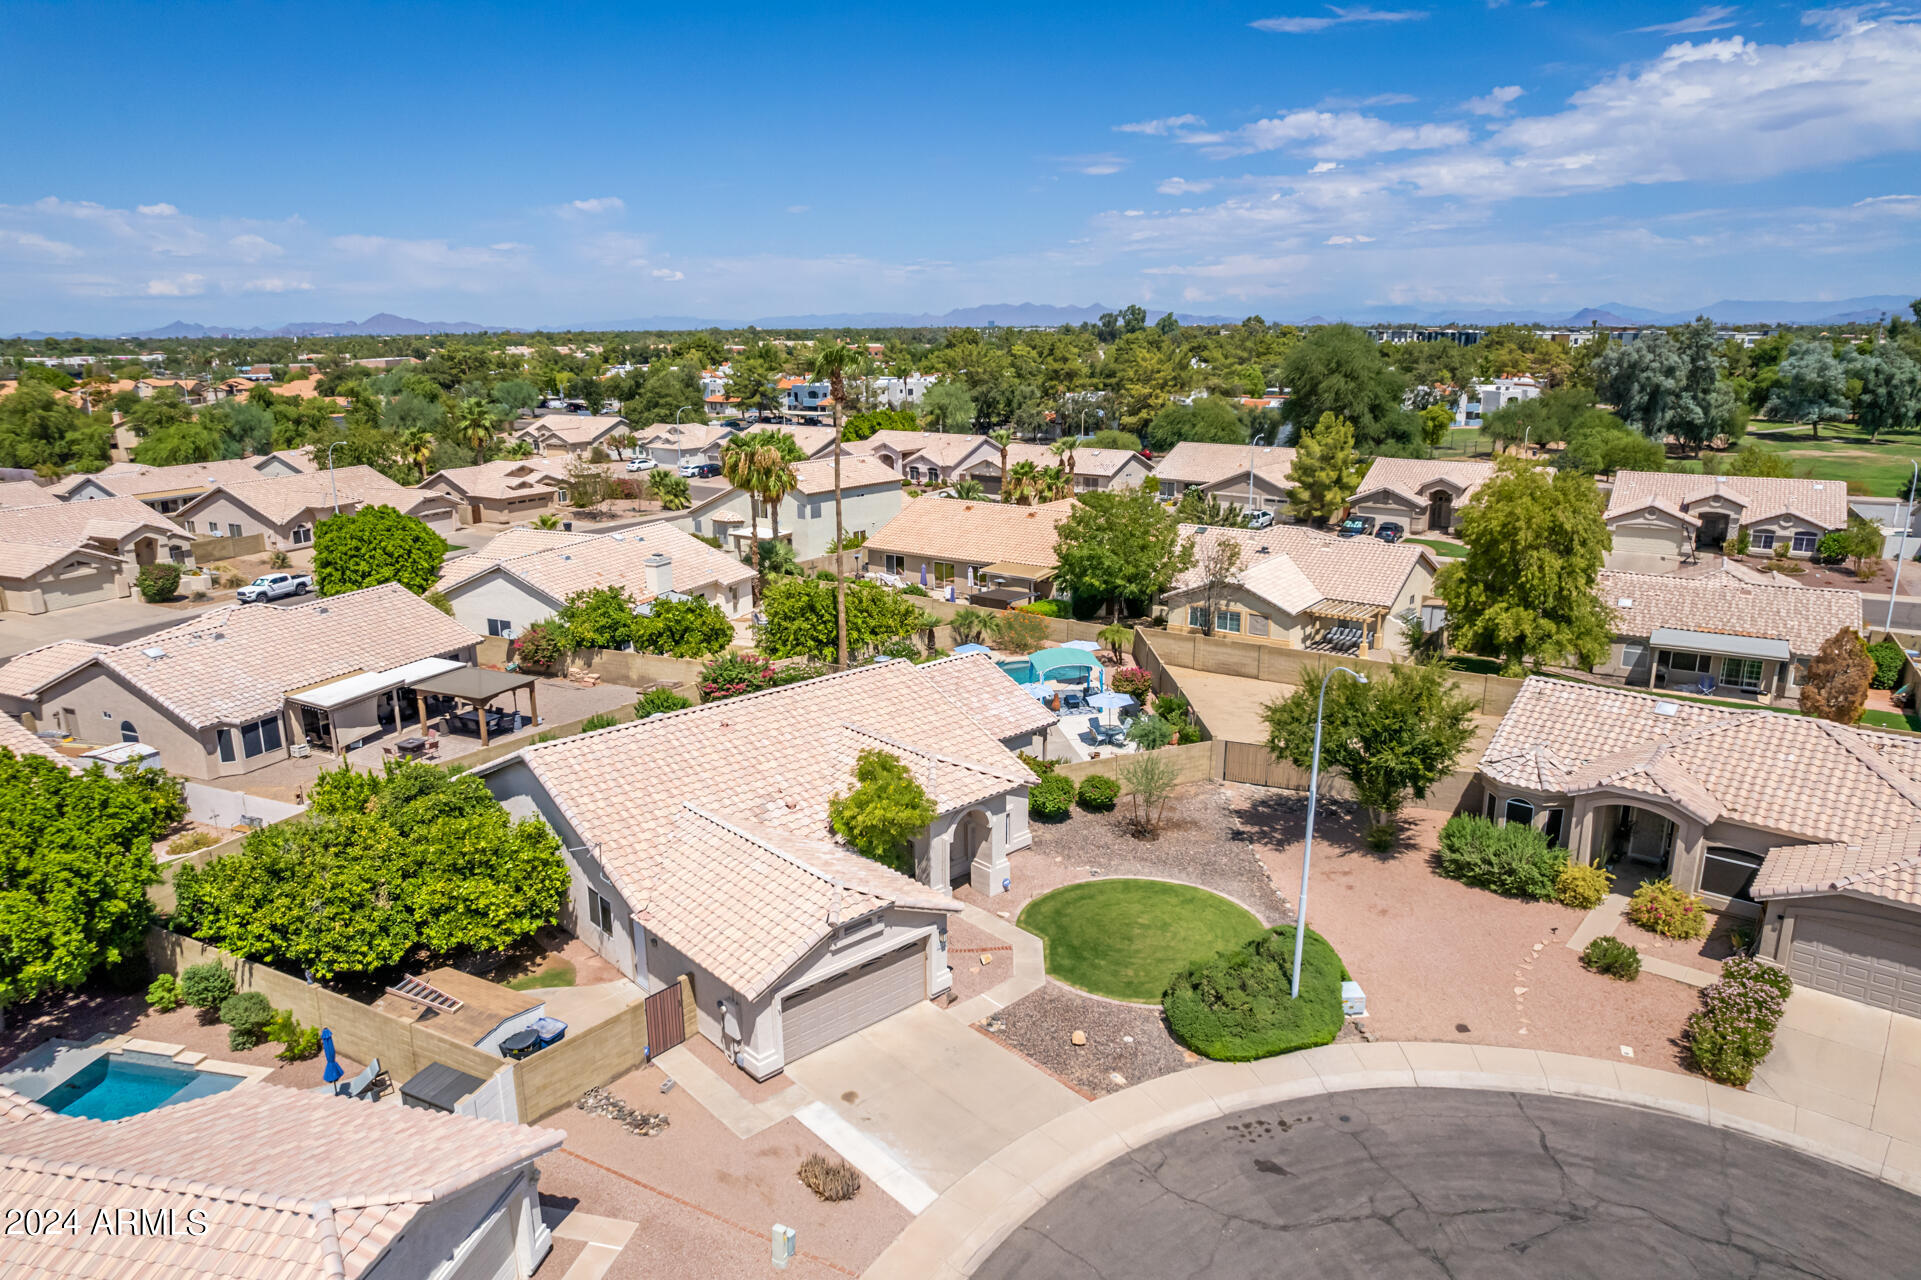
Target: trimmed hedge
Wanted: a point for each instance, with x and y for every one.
(1050, 796)
(1887, 657)
(247, 1014)
(1733, 1032)
(1236, 1007)
(205, 986)
(1510, 859)
(1099, 793)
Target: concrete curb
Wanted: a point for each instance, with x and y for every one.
(961, 1229)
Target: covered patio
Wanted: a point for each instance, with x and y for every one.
(1003, 584)
(1346, 626)
(338, 715)
(476, 688)
(1708, 662)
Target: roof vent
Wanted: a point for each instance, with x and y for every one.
(1625, 602)
(618, 537)
(1261, 551)
(155, 653)
(1666, 708)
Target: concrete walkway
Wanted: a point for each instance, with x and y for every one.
(1609, 916)
(971, 1218)
(1842, 1058)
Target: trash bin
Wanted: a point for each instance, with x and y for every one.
(550, 1031)
(520, 1043)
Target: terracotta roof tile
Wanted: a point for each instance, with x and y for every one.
(1192, 462)
(1408, 477)
(1295, 566)
(560, 566)
(508, 478)
(575, 428)
(1822, 502)
(975, 684)
(36, 538)
(281, 498)
(972, 532)
(28, 671)
(1727, 603)
(1884, 865)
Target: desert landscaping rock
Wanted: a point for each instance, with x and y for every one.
(1038, 1027)
(599, 1102)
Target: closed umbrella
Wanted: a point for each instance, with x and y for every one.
(333, 1070)
(1110, 701)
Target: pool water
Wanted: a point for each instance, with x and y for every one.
(116, 1085)
(1019, 668)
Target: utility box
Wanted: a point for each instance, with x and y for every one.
(1353, 1000)
(783, 1246)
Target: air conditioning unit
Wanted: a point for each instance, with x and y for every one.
(300, 750)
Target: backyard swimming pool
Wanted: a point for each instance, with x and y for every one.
(1019, 668)
(116, 1085)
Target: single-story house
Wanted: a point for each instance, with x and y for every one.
(26, 493)
(814, 442)
(233, 689)
(937, 458)
(893, 446)
(63, 554)
(1420, 495)
(1251, 477)
(1300, 588)
(1094, 469)
(673, 445)
(504, 491)
(1731, 631)
(525, 575)
(262, 1181)
(1660, 519)
(167, 489)
(989, 553)
(976, 683)
(1844, 916)
(286, 508)
(870, 496)
(1709, 796)
(571, 434)
(25, 672)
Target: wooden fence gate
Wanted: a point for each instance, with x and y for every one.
(666, 1021)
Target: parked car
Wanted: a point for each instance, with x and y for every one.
(642, 463)
(699, 470)
(275, 586)
(1260, 519)
(1357, 526)
(1390, 532)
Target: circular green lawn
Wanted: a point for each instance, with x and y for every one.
(1127, 938)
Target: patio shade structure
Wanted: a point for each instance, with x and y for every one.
(1085, 646)
(971, 648)
(476, 686)
(1111, 701)
(1062, 663)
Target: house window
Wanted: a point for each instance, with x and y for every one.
(1257, 624)
(943, 571)
(560, 497)
(233, 531)
(1169, 489)
(895, 565)
(1197, 616)
(600, 912)
(1227, 620)
(127, 732)
(225, 738)
(260, 736)
(302, 534)
(1687, 663)
(813, 509)
(500, 627)
(1487, 810)
(1519, 811)
(1805, 541)
(189, 525)
(1633, 655)
(1729, 872)
(1761, 539)
(1552, 828)
(1742, 673)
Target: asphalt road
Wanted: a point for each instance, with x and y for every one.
(1413, 1183)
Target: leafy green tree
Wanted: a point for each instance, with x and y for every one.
(1667, 383)
(179, 443)
(415, 858)
(691, 628)
(1810, 385)
(76, 857)
(1890, 395)
(1338, 370)
(1525, 589)
(1209, 420)
(1150, 732)
(1112, 439)
(512, 397)
(1750, 460)
(38, 429)
(948, 406)
(1325, 471)
(1120, 545)
(1601, 444)
(800, 618)
(860, 426)
(884, 812)
(373, 545)
(1436, 422)
(1390, 738)
(598, 618)
(1196, 507)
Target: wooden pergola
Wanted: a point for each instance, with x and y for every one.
(477, 686)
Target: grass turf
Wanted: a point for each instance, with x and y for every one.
(1842, 453)
(1446, 550)
(1126, 938)
(558, 974)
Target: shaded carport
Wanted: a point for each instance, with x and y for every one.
(477, 687)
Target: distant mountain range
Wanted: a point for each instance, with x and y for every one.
(1865, 310)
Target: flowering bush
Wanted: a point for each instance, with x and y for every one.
(542, 645)
(1659, 907)
(1132, 681)
(732, 674)
(1099, 793)
(1733, 1031)
(1581, 887)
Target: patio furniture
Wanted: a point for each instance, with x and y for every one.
(475, 687)
(412, 748)
(360, 1086)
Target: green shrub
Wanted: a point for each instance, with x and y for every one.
(599, 720)
(1019, 632)
(206, 986)
(1887, 657)
(1045, 608)
(164, 993)
(1099, 793)
(1733, 1031)
(1582, 887)
(297, 1043)
(1659, 907)
(246, 1014)
(192, 842)
(1050, 796)
(1040, 767)
(158, 581)
(903, 647)
(1748, 969)
(1236, 1007)
(1150, 733)
(1613, 957)
(658, 702)
(1512, 859)
(913, 589)
(542, 646)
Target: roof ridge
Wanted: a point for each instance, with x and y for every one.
(1851, 742)
(936, 756)
(778, 852)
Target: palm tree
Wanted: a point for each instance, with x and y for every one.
(1064, 450)
(970, 489)
(1002, 437)
(774, 475)
(474, 426)
(739, 465)
(1055, 484)
(1023, 482)
(547, 520)
(417, 446)
(832, 363)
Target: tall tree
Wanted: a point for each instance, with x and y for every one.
(1338, 370)
(373, 545)
(831, 364)
(740, 463)
(1325, 471)
(1667, 383)
(1002, 437)
(1525, 589)
(1810, 385)
(417, 447)
(1023, 482)
(947, 405)
(1120, 544)
(1890, 396)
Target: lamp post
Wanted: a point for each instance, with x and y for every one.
(332, 484)
(1307, 853)
(1894, 587)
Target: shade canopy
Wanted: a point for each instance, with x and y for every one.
(338, 693)
(1085, 646)
(1716, 643)
(473, 684)
(1062, 663)
(971, 648)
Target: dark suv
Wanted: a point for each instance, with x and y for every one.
(1356, 526)
(1390, 532)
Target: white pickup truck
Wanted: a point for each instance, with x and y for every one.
(275, 586)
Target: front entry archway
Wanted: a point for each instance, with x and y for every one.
(973, 838)
(1440, 512)
(1633, 841)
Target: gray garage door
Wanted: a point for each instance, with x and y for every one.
(1861, 966)
(843, 1004)
(83, 586)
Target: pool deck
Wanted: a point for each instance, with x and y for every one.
(41, 1070)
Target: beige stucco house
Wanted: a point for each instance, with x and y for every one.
(167, 489)
(1300, 588)
(1662, 519)
(723, 867)
(673, 445)
(988, 553)
(565, 435)
(870, 497)
(1250, 477)
(503, 492)
(1420, 495)
(285, 509)
(63, 554)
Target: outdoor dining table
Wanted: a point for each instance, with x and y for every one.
(411, 746)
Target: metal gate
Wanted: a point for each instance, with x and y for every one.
(666, 1021)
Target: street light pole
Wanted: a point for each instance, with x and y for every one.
(1307, 853)
(1913, 479)
(331, 483)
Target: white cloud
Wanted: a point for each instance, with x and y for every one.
(1873, 200)
(799, 208)
(663, 273)
(274, 284)
(252, 248)
(1349, 240)
(1325, 166)
(1182, 186)
(59, 250)
(186, 285)
(1330, 136)
(1339, 17)
(1160, 128)
(1496, 102)
(1097, 166)
(509, 246)
(1716, 17)
(1339, 103)
(162, 210)
(599, 204)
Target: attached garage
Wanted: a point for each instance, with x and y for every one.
(1845, 918)
(1859, 957)
(78, 583)
(816, 1016)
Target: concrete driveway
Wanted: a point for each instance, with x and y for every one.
(923, 1098)
(1846, 1060)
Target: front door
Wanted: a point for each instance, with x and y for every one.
(1440, 512)
(1714, 531)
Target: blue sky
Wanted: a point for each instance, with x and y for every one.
(591, 163)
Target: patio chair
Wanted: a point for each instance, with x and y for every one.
(361, 1085)
(1071, 701)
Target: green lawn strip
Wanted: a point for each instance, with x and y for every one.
(1126, 938)
(560, 975)
(1449, 550)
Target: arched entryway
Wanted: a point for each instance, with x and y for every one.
(1633, 842)
(1440, 511)
(973, 838)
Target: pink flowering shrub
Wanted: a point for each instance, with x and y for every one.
(1659, 907)
(1132, 681)
(1733, 1032)
(735, 673)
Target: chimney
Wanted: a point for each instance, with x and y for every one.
(660, 574)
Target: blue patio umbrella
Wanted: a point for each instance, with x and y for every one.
(1039, 689)
(333, 1070)
(1110, 701)
(1085, 646)
(971, 648)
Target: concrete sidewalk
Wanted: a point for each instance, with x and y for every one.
(1844, 1059)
